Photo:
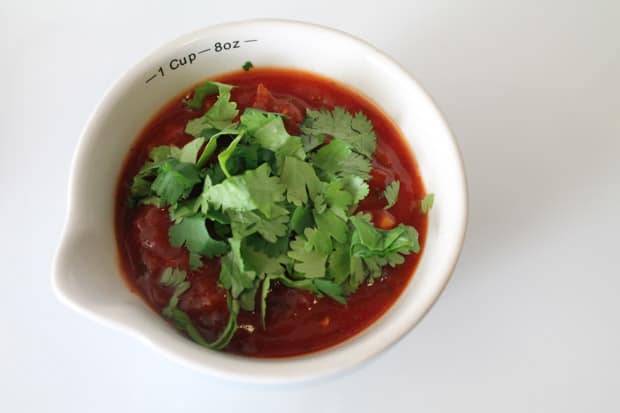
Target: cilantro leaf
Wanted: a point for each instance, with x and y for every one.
(231, 194)
(255, 189)
(266, 128)
(291, 148)
(176, 278)
(355, 165)
(184, 323)
(339, 263)
(329, 157)
(141, 190)
(219, 116)
(391, 193)
(319, 241)
(355, 130)
(225, 155)
(212, 144)
(271, 249)
(299, 178)
(337, 197)
(173, 277)
(427, 203)
(161, 153)
(356, 187)
(311, 142)
(206, 89)
(265, 190)
(301, 219)
(333, 225)
(309, 263)
(184, 209)
(368, 241)
(337, 160)
(244, 223)
(189, 152)
(316, 286)
(330, 289)
(175, 180)
(193, 234)
(248, 156)
(234, 275)
(247, 66)
(262, 263)
(214, 173)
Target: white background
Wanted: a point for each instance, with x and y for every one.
(531, 319)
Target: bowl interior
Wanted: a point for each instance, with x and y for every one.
(86, 273)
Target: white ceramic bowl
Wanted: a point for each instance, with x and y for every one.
(86, 272)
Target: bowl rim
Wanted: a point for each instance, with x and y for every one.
(278, 370)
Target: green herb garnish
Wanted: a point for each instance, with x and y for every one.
(273, 207)
(247, 66)
(427, 203)
(391, 193)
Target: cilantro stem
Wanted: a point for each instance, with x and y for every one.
(226, 153)
(176, 278)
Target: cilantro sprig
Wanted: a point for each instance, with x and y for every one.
(274, 208)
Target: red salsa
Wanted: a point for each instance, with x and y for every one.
(297, 322)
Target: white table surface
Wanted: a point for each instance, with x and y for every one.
(531, 319)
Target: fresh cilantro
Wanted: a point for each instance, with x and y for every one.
(331, 224)
(233, 275)
(184, 323)
(169, 174)
(369, 242)
(319, 241)
(266, 128)
(212, 144)
(338, 263)
(311, 142)
(175, 278)
(206, 89)
(219, 116)
(214, 173)
(263, 299)
(291, 148)
(316, 286)
(272, 249)
(265, 190)
(356, 186)
(354, 130)
(225, 155)
(184, 209)
(331, 289)
(338, 198)
(247, 66)
(244, 223)
(427, 203)
(309, 263)
(274, 207)
(391, 193)
(255, 189)
(161, 153)
(141, 190)
(301, 219)
(193, 234)
(175, 180)
(336, 159)
(189, 152)
(299, 178)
